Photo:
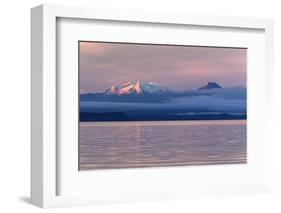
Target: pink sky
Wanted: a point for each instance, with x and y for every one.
(177, 67)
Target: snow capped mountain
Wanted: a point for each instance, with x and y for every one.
(150, 92)
(137, 88)
(210, 85)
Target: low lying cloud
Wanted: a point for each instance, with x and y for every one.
(229, 100)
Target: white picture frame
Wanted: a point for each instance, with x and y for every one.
(45, 154)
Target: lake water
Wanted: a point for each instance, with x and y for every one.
(151, 144)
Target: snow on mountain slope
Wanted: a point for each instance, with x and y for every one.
(137, 87)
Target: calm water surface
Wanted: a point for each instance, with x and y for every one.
(171, 143)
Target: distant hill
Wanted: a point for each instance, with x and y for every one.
(210, 85)
(107, 116)
(118, 116)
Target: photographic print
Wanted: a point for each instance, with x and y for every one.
(152, 105)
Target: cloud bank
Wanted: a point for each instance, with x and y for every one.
(227, 100)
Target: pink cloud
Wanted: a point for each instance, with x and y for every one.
(178, 67)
